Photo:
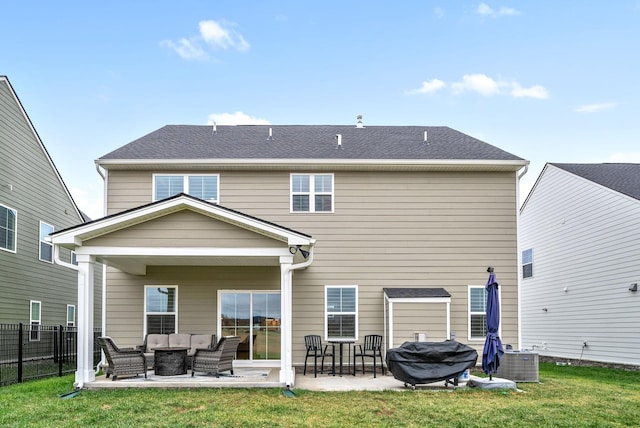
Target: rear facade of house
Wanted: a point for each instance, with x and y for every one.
(379, 207)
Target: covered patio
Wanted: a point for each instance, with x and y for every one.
(169, 240)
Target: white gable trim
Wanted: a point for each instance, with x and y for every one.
(74, 237)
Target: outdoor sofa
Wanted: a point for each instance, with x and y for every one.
(176, 340)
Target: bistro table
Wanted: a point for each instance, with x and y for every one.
(170, 361)
(340, 343)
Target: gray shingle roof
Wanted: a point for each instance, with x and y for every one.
(307, 142)
(414, 293)
(621, 177)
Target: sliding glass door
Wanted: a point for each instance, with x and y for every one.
(255, 317)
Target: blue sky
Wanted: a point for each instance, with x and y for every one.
(549, 81)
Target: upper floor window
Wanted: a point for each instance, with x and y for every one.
(202, 186)
(477, 312)
(46, 247)
(527, 263)
(312, 193)
(341, 312)
(8, 224)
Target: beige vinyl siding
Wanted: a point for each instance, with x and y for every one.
(389, 229)
(426, 318)
(38, 195)
(184, 229)
(197, 296)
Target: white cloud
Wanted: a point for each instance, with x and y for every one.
(486, 10)
(90, 203)
(237, 118)
(483, 85)
(187, 49)
(429, 87)
(480, 83)
(625, 157)
(216, 35)
(596, 108)
(221, 35)
(536, 91)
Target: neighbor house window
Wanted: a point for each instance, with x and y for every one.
(35, 314)
(71, 315)
(8, 225)
(46, 247)
(527, 263)
(74, 258)
(202, 186)
(160, 309)
(477, 312)
(312, 192)
(341, 312)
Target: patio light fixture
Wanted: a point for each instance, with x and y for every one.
(634, 287)
(295, 249)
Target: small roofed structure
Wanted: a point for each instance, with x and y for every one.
(411, 321)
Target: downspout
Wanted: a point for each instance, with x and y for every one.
(519, 274)
(103, 320)
(287, 272)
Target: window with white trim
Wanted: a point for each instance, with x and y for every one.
(74, 258)
(35, 318)
(160, 309)
(46, 247)
(8, 227)
(477, 312)
(71, 315)
(312, 193)
(202, 186)
(527, 263)
(341, 312)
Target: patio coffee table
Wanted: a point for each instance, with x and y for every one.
(170, 361)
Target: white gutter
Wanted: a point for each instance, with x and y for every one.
(56, 258)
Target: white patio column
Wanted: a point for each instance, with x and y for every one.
(287, 376)
(85, 372)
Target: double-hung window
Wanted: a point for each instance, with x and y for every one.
(477, 312)
(35, 319)
(8, 224)
(46, 247)
(527, 263)
(202, 186)
(311, 193)
(160, 309)
(341, 312)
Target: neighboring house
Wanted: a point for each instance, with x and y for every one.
(34, 202)
(284, 231)
(580, 242)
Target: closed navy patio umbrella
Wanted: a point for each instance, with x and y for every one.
(492, 351)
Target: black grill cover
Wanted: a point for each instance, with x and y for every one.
(426, 362)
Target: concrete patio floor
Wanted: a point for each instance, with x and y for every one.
(267, 378)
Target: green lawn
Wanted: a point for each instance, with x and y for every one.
(567, 396)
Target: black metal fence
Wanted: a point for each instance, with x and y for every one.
(33, 352)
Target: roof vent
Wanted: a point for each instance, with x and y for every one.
(270, 137)
(339, 138)
(359, 121)
(425, 137)
(214, 130)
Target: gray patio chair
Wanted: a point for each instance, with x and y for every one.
(218, 359)
(122, 362)
(371, 348)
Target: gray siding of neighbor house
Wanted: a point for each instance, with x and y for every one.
(30, 185)
(388, 229)
(585, 238)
